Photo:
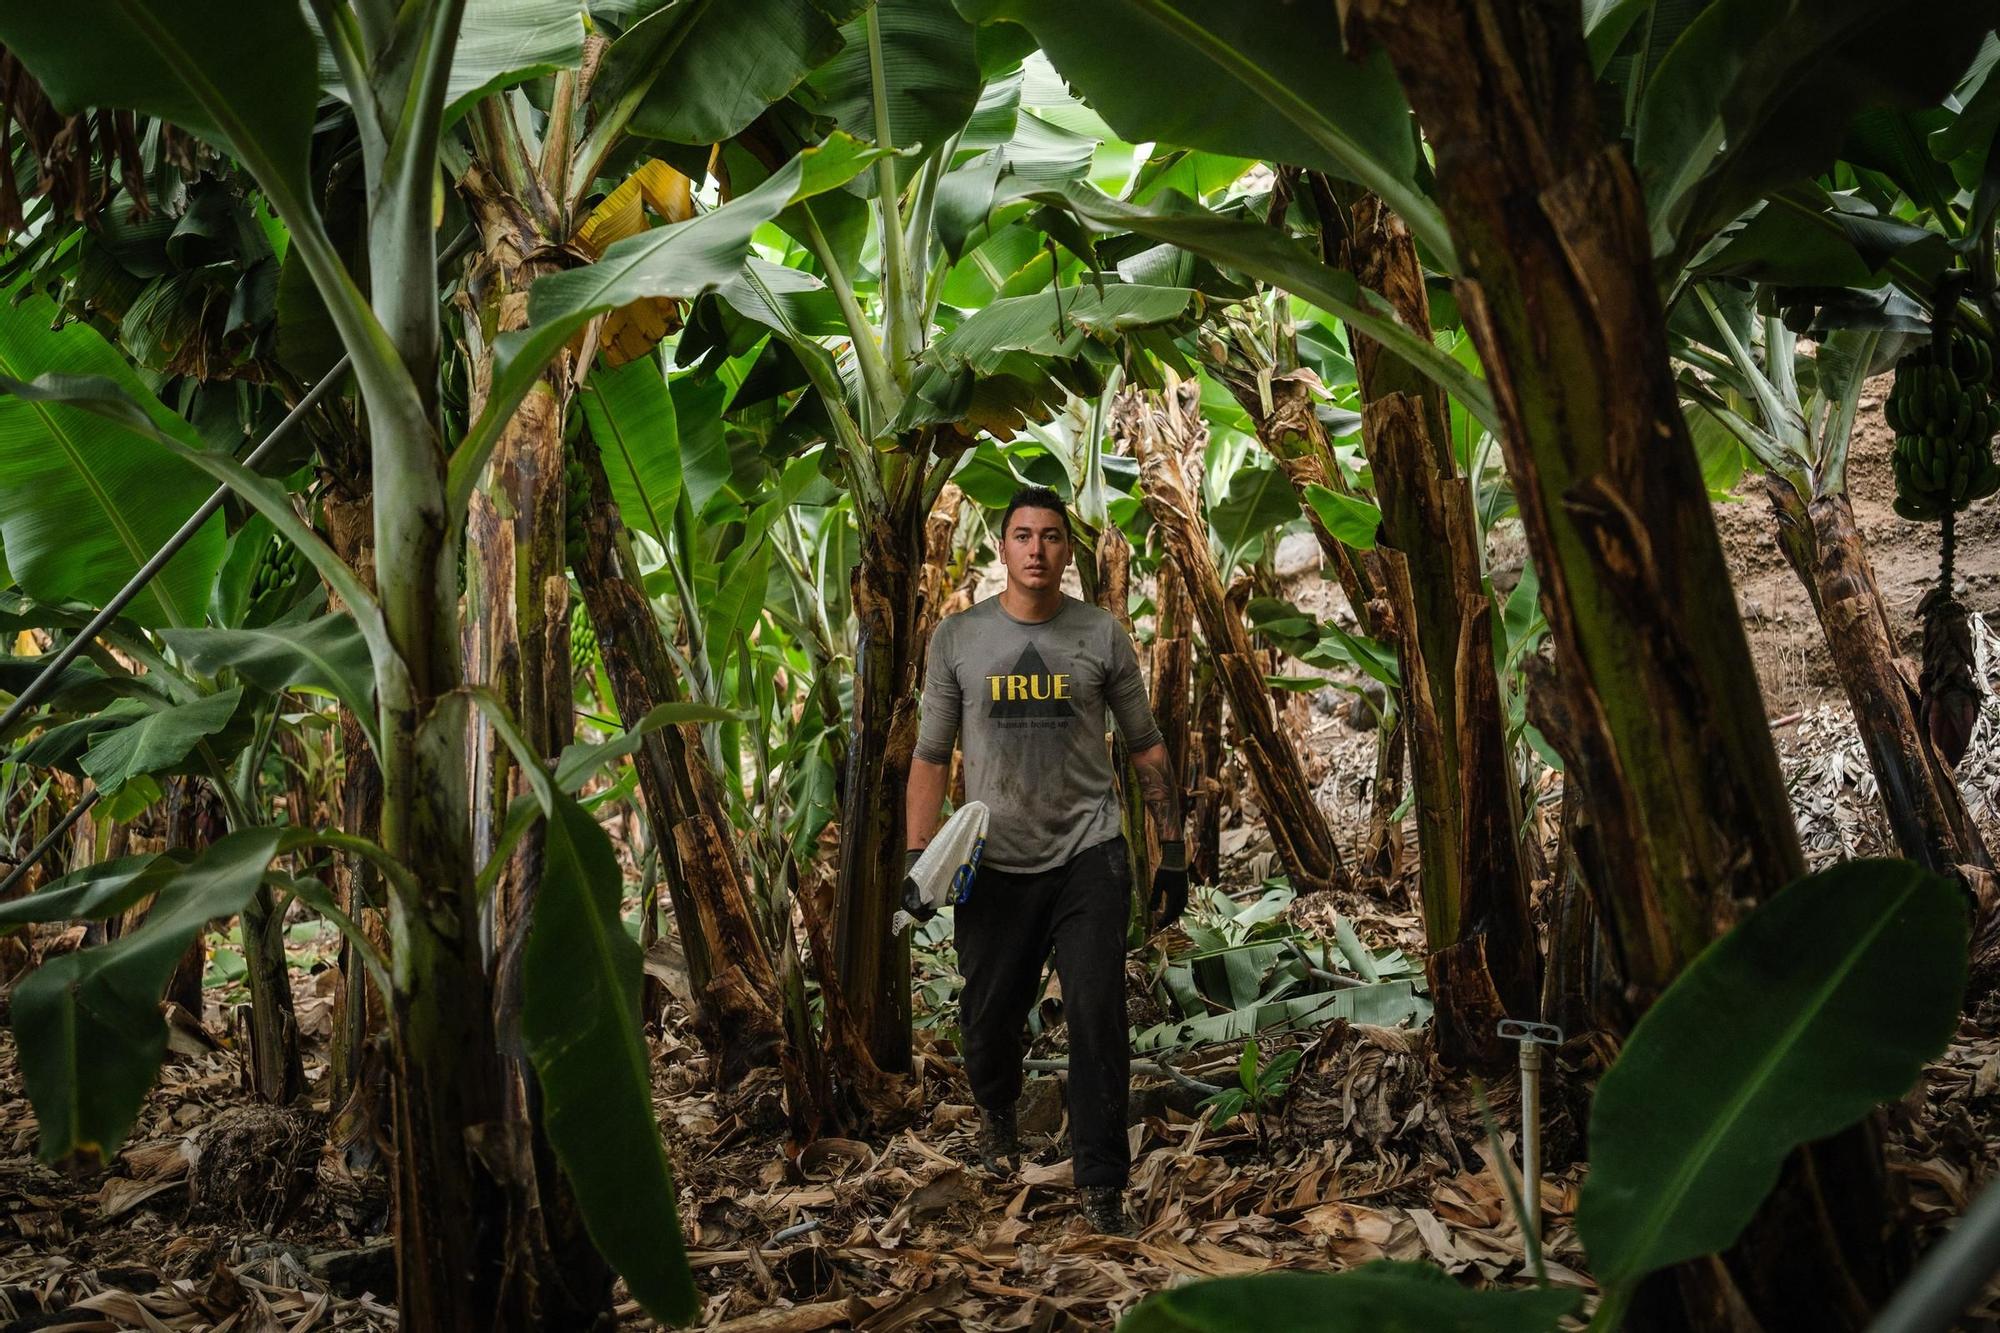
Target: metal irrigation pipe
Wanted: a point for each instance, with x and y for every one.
(41, 848)
(1531, 1037)
(796, 1230)
(84, 637)
(39, 686)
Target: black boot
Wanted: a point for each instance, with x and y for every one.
(999, 1143)
(1103, 1207)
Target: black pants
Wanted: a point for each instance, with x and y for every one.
(1005, 931)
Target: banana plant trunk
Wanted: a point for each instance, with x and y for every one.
(1926, 810)
(874, 962)
(1165, 432)
(1173, 677)
(193, 822)
(1579, 994)
(461, 1165)
(938, 583)
(1291, 432)
(1479, 939)
(517, 648)
(1380, 855)
(464, 1175)
(1206, 755)
(738, 1002)
(1185, 705)
(1674, 754)
(276, 1069)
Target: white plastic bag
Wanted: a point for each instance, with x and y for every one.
(942, 876)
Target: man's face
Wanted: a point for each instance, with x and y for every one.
(1035, 548)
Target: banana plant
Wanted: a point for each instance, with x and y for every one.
(548, 179)
(211, 703)
(1260, 1086)
(1795, 414)
(247, 81)
(902, 381)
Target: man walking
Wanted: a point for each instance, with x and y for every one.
(1023, 680)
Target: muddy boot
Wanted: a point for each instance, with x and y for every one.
(1103, 1208)
(999, 1143)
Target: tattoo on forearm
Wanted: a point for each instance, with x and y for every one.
(1156, 787)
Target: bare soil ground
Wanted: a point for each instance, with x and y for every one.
(220, 1214)
(1791, 658)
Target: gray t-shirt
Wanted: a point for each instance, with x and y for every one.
(1028, 701)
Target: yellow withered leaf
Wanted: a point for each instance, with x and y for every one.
(636, 329)
(632, 332)
(654, 185)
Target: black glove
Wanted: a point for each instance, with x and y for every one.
(1170, 885)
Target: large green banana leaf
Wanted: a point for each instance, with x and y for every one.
(1055, 323)
(326, 653)
(630, 412)
(930, 76)
(699, 402)
(96, 891)
(88, 1024)
(165, 740)
(1803, 236)
(80, 686)
(580, 1022)
(1259, 503)
(1039, 151)
(62, 746)
(239, 73)
(500, 43)
(1269, 255)
(1755, 95)
(1384, 1004)
(683, 260)
(1825, 1002)
(1263, 81)
(703, 69)
(84, 500)
(1352, 521)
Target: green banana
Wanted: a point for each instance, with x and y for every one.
(582, 641)
(1917, 511)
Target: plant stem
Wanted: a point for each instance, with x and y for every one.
(900, 311)
(867, 352)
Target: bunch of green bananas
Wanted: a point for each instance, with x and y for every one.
(583, 656)
(1944, 419)
(277, 571)
(576, 500)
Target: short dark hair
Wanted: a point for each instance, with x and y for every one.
(1034, 497)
